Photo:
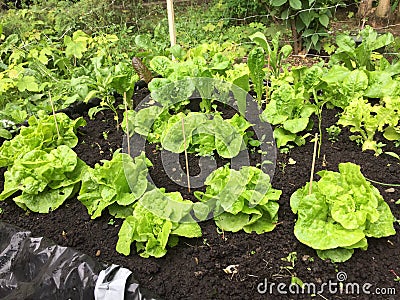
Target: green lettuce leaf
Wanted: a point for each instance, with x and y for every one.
(341, 211)
(151, 230)
(45, 180)
(240, 200)
(41, 134)
(121, 180)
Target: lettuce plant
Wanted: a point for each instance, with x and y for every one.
(204, 133)
(290, 109)
(152, 218)
(122, 180)
(45, 179)
(157, 220)
(239, 200)
(41, 134)
(365, 120)
(360, 56)
(339, 214)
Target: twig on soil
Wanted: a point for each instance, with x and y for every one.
(186, 157)
(54, 115)
(322, 297)
(313, 163)
(127, 125)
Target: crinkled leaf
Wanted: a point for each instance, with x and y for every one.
(336, 255)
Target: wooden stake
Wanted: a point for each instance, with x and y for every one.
(54, 115)
(127, 125)
(313, 164)
(186, 157)
(171, 23)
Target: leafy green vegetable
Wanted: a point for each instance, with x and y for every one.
(365, 120)
(149, 122)
(45, 179)
(204, 133)
(354, 56)
(256, 62)
(121, 180)
(41, 134)
(343, 85)
(206, 68)
(342, 210)
(155, 227)
(290, 108)
(239, 200)
(276, 55)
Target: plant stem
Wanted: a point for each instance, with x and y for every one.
(268, 77)
(382, 183)
(186, 157)
(313, 163)
(54, 115)
(127, 125)
(319, 113)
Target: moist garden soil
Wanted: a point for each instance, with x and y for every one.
(194, 269)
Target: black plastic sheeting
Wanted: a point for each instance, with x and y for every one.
(34, 268)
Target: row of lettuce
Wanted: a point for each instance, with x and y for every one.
(37, 73)
(357, 79)
(44, 171)
(335, 216)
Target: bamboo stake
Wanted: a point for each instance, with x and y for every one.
(186, 157)
(54, 115)
(171, 22)
(313, 164)
(127, 125)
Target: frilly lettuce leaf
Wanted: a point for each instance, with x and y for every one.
(157, 220)
(341, 211)
(41, 134)
(45, 180)
(240, 200)
(121, 180)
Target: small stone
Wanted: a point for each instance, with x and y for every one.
(98, 252)
(391, 190)
(198, 273)
(231, 269)
(305, 257)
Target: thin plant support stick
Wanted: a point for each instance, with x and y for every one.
(268, 78)
(127, 125)
(313, 163)
(54, 115)
(186, 157)
(171, 23)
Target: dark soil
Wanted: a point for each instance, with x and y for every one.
(195, 268)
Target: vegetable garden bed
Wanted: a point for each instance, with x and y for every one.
(226, 265)
(293, 161)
